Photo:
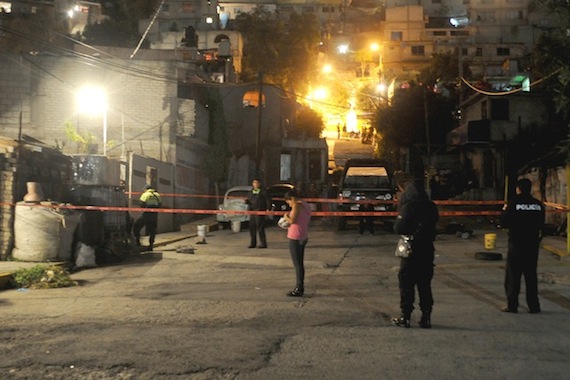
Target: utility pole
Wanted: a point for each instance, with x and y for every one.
(258, 131)
(428, 144)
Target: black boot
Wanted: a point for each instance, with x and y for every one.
(297, 292)
(425, 321)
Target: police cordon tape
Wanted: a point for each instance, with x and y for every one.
(270, 213)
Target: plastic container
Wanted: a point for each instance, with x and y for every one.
(202, 230)
(236, 226)
(490, 240)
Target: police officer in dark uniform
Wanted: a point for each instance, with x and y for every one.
(417, 217)
(524, 217)
(258, 200)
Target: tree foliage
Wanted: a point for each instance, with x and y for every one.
(217, 160)
(309, 123)
(121, 27)
(32, 33)
(402, 123)
(552, 60)
(285, 53)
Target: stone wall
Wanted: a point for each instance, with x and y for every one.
(7, 181)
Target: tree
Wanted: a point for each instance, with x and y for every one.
(217, 160)
(553, 57)
(309, 123)
(121, 27)
(286, 54)
(36, 32)
(364, 57)
(402, 124)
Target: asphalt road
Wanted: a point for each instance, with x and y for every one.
(222, 313)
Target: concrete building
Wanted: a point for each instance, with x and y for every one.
(491, 35)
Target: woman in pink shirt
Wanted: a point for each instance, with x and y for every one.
(298, 235)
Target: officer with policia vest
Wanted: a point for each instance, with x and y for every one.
(150, 198)
(524, 217)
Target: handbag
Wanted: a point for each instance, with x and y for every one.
(404, 247)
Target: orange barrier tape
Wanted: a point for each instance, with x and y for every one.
(448, 202)
(247, 212)
(556, 206)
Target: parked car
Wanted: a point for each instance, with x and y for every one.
(363, 181)
(235, 199)
(277, 193)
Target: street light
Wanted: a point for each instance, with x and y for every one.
(378, 47)
(93, 101)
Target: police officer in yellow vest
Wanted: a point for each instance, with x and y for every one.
(150, 198)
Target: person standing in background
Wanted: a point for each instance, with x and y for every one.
(417, 218)
(524, 217)
(298, 235)
(258, 200)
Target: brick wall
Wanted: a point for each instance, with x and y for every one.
(142, 99)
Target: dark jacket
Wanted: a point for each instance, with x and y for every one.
(259, 201)
(418, 215)
(524, 217)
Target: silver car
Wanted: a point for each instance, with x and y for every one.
(235, 199)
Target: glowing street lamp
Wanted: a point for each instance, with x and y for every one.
(343, 49)
(320, 93)
(327, 69)
(378, 47)
(93, 101)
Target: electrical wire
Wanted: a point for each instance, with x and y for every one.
(147, 29)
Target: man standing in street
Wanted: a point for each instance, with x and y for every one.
(150, 198)
(524, 217)
(417, 218)
(258, 200)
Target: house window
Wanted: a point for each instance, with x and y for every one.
(418, 50)
(479, 52)
(439, 33)
(459, 32)
(499, 109)
(486, 16)
(396, 36)
(515, 15)
(285, 167)
(503, 51)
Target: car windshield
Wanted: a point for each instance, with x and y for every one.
(366, 177)
(237, 194)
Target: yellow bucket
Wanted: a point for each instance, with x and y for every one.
(490, 241)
